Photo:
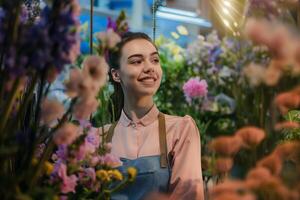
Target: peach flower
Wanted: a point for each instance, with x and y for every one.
(223, 165)
(51, 110)
(286, 125)
(287, 100)
(67, 134)
(254, 73)
(288, 150)
(85, 107)
(272, 163)
(251, 136)
(109, 38)
(96, 68)
(72, 85)
(226, 145)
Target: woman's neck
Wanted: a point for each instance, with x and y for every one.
(136, 108)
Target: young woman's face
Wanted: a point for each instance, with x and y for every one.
(140, 71)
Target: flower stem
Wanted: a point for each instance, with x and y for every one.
(8, 106)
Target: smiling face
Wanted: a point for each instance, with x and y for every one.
(140, 71)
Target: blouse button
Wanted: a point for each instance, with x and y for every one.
(133, 125)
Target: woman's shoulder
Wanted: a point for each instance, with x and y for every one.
(179, 119)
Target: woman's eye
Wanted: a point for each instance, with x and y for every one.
(155, 60)
(136, 62)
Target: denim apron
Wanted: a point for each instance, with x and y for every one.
(154, 172)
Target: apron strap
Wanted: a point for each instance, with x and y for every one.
(162, 138)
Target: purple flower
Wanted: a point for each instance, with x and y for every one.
(194, 88)
(111, 24)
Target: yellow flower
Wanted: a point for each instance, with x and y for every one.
(48, 167)
(116, 174)
(34, 161)
(56, 197)
(182, 30)
(132, 172)
(103, 175)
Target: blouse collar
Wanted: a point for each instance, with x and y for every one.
(150, 117)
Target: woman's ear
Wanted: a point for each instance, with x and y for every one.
(115, 75)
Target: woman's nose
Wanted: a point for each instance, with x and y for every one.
(148, 66)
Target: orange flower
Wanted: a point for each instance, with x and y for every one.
(226, 145)
(272, 76)
(272, 163)
(228, 186)
(287, 100)
(288, 150)
(286, 125)
(223, 165)
(256, 176)
(251, 136)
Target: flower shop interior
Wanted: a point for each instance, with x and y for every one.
(232, 66)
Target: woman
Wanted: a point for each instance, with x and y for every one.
(165, 149)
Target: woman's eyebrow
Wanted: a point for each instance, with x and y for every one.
(141, 55)
(135, 55)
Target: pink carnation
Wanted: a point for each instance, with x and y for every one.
(110, 160)
(68, 182)
(194, 88)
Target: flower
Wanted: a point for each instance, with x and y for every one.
(66, 134)
(272, 163)
(254, 73)
(51, 110)
(226, 145)
(287, 125)
(115, 174)
(287, 100)
(223, 165)
(68, 182)
(109, 38)
(251, 136)
(195, 88)
(103, 175)
(132, 172)
(48, 167)
(85, 107)
(96, 68)
(110, 160)
(72, 85)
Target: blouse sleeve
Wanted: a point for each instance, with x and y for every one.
(186, 179)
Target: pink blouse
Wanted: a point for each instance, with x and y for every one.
(140, 138)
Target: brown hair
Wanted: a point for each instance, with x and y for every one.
(114, 56)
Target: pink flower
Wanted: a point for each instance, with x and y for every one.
(51, 110)
(85, 107)
(195, 88)
(96, 68)
(109, 38)
(72, 85)
(66, 134)
(68, 182)
(110, 160)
